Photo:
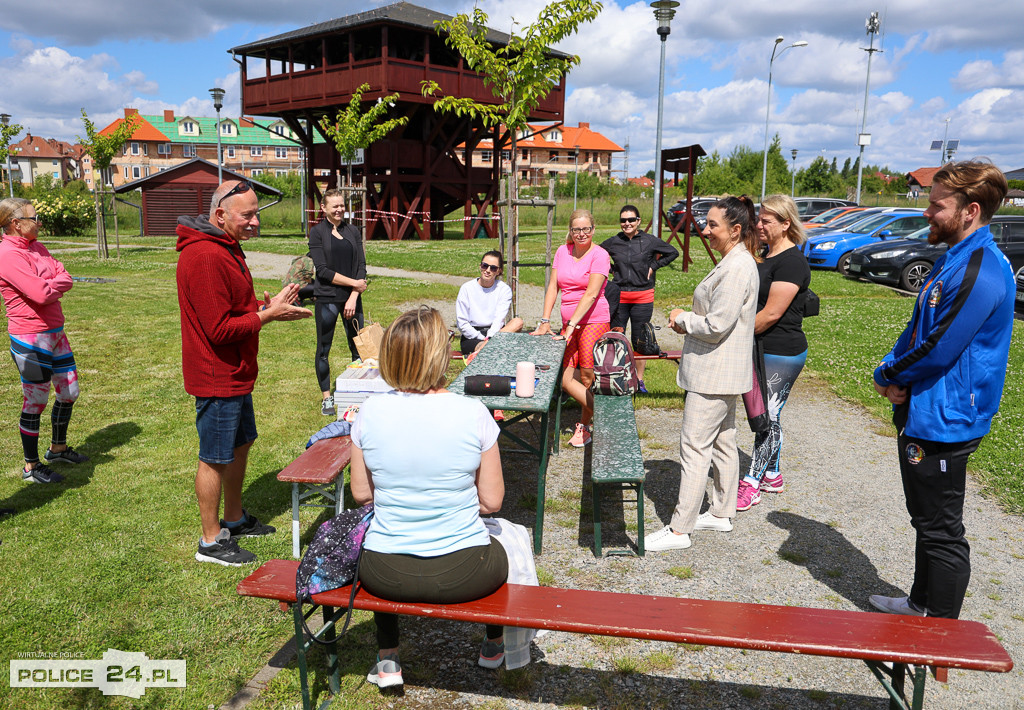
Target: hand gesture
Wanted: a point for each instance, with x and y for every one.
(280, 306)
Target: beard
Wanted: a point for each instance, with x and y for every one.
(945, 232)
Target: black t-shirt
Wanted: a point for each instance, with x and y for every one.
(785, 337)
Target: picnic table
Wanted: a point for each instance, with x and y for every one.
(499, 357)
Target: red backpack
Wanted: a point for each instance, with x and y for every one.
(614, 367)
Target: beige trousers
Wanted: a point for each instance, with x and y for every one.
(707, 439)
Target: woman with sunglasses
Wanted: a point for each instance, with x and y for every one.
(32, 283)
(482, 305)
(635, 255)
(336, 248)
(580, 270)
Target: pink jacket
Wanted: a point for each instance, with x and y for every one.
(31, 284)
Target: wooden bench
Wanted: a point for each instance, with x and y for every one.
(663, 355)
(317, 472)
(877, 639)
(616, 461)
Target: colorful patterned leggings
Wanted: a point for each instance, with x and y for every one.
(42, 359)
(780, 373)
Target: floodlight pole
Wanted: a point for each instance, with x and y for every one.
(218, 103)
(5, 119)
(664, 10)
(575, 173)
(792, 189)
(864, 139)
(768, 107)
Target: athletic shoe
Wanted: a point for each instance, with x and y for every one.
(68, 455)
(665, 539)
(499, 415)
(225, 551)
(896, 605)
(581, 437)
(747, 496)
(707, 521)
(327, 407)
(4, 512)
(640, 388)
(386, 672)
(772, 485)
(250, 527)
(491, 653)
(41, 474)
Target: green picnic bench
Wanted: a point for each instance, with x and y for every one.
(616, 461)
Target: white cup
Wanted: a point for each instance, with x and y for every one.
(525, 374)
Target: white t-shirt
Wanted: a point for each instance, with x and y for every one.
(484, 307)
(423, 452)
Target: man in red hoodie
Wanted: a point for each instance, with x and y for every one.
(220, 330)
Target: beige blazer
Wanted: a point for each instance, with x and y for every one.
(718, 348)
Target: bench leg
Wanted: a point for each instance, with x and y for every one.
(300, 652)
(295, 520)
(596, 489)
(333, 670)
(339, 492)
(640, 518)
(542, 473)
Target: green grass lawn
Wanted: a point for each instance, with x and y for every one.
(105, 560)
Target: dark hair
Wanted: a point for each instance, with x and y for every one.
(740, 210)
(630, 208)
(497, 255)
(974, 181)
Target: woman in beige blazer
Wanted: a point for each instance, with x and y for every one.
(715, 369)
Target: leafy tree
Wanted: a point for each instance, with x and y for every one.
(834, 168)
(846, 168)
(103, 148)
(6, 134)
(649, 175)
(714, 176)
(816, 178)
(353, 129)
(519, 74)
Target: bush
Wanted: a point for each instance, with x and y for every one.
(65, 213)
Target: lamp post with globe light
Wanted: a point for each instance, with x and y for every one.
(792, 189)
(767, 111)
(218, 103)
(863, 139)
(664, 11)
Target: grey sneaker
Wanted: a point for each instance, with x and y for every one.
(896, 605)
(491, 653)
(327, 407)
(68, 455)
(41, 474)
(225, 551)
(386, 672)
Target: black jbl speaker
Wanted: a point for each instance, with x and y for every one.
(489, 385)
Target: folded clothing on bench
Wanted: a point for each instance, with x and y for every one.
(521, 570)
(332, 430)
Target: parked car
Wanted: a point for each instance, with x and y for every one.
(1018, 305)
(699, 208)
(906, 263)
(853, 216)
(811, 206)
(832, 250)
(827, 216)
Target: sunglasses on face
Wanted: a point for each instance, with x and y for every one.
(489, 267)
(238, 189)
(628, 220)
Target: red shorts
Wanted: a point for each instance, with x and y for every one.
(579, 352)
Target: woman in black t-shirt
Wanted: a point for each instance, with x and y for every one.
(785, 278)
(336, 248)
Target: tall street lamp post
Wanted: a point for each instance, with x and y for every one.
(575, 173)
(218, 103)
(664, 11)
(792, 189)
(5, 118)
(776, 52)
(864, 139)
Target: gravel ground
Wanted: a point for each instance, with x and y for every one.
(838, 533)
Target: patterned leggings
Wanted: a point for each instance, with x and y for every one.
(44, 359)
(780, 373)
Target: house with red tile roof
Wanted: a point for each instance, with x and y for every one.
(35, 156)
(922, 178)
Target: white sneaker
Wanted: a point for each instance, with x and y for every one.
(707, 521)
(895, 605)
(665, 539)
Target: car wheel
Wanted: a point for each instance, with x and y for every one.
(843, 265)
(914, 275)
(1019, 274)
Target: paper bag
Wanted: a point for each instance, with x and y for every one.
(368, 340)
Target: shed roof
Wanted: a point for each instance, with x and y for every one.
(192, 165)
(923, 176)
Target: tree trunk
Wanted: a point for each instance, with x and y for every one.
(101, 225)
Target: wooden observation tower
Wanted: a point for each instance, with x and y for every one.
(421, 171)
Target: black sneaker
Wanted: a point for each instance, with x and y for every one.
(225, 551)
(41, 474)
(68, 455)
(251, 527)
(327, 407)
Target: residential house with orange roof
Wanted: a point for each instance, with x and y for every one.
(921, 179)
(35, 156)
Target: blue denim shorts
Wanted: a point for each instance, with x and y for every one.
(224, 424)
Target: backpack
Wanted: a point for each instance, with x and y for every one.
(614, 366)
(644, 341)
(332, 558)
(301, 271)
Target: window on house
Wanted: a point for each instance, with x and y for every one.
(256, 171)
(163, 149)
(56, 175)
(256, 151)
(54, 162)
(555, 136)
(227, 129)
(281, 173)
(231, 152)
(188, 127)
(553, 155)
(280, 153)
(486, 155)
(136, 172)
(526, 155)
(279, 129)
(505, 155)
(189, 150)
(127, 172)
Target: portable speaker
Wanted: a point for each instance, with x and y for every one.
(489, 385)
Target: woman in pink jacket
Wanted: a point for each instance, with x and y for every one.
(31, 284)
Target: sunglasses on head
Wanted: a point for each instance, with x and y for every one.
(628, 220)
(489, 267)
(238, 189)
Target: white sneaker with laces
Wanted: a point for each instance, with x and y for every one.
(896, 605)
(707, 521)
(665, 539)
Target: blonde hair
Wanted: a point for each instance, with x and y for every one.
(783, 207)
(578, 214)
(8, 206)
(414, 353)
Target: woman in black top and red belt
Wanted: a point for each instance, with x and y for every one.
(337, 251)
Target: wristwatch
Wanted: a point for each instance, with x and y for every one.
(545, 320)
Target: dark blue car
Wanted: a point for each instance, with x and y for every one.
(832, 250)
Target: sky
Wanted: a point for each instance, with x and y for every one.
(944, 65)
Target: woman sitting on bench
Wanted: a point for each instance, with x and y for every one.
(427, 542)
(482, 305)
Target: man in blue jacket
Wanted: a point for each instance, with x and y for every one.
(945, 378)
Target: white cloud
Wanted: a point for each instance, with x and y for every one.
(984, 73)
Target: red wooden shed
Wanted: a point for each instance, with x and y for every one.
(183, 189)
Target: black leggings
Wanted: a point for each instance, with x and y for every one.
(460, 576)
(326, 316)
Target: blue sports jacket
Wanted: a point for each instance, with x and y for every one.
(953, 353)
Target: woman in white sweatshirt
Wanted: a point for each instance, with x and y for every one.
(483, 304)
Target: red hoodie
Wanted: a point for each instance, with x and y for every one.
(220, 331)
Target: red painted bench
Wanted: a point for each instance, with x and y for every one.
(663, 355)
(317, 472)
(876, 639)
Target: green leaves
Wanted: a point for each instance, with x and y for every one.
(352, 128)
(6, 134)
(103, 148)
